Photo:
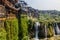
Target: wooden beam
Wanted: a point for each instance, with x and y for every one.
(2, 19)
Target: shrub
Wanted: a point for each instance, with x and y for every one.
(2, 34)
(50, 30)
(12, 29)
(24, 27)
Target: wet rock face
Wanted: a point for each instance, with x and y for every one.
(59, 25)
(31, 29)
(57, 28)
(31, 32)
(41, 31)
(41, 28)
(49, 30)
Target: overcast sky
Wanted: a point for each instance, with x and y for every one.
(44, 4)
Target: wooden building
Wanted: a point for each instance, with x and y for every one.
(2, 13)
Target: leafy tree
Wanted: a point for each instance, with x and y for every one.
(12, 29)
(24, 27)
(2, 34)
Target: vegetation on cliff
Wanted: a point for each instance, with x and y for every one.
(12, 29)
(24, 27)
(3, 34)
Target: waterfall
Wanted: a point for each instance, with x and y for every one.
(37, 24)
(45, 33)
(57, 29)
(54, 31)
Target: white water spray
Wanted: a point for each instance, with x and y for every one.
(45, 33)
(37, 24)
(54, 31)
(57, 29)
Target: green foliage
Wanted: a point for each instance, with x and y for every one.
(31, 28)
(30, 24)
(42, 30)
(2, 34)
(24, 27)
(12, 29)
(49, 18)
(50, 30)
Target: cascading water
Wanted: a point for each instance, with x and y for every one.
(54, 31)
(57, 29)
(45, 33)
(37, 24)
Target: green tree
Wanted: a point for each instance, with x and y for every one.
(24, 27)
(12, 29)
(2, 34)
